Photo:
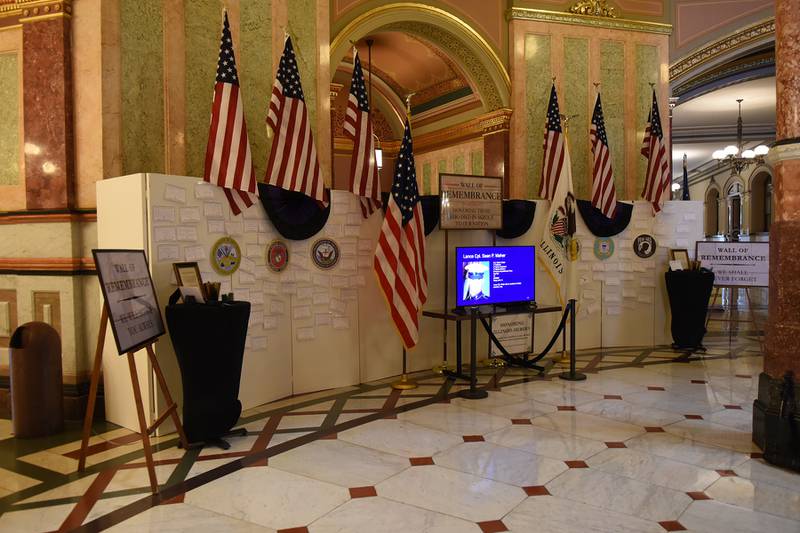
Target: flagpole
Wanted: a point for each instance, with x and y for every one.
(405, 383)
(565, 359)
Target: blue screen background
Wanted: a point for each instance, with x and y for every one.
(511, 276)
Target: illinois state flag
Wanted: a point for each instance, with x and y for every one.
(556, 242)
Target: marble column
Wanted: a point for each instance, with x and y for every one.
(783, 326)
(496, 143)
(47, 101)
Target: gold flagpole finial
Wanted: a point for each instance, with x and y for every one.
(596, 86)
(652, 85)
(408, 105)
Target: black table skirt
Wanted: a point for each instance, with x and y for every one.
(209, 343)
(689, 291)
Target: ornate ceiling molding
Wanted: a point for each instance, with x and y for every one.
(725, 45)
(32, 10)
(720, 74)
(543, 15)
(486, 124)
(597, 8)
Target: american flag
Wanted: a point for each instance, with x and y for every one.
(228, 162)
(553, 149)
(657, 179)
(364, 167)
(604, 194)
(685, 186)
(293, 162)
(400, 255)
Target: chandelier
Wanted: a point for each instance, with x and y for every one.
(735, 156)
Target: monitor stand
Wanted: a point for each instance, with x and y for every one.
(518, 307)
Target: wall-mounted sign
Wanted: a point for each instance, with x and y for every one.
(325, 253)
(470, 202)
(737, 264)
(603, 248)
(644, 246)
(226, 256)
(130, 298)
(277, 255)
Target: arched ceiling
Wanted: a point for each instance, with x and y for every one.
(708, 122)
(404, 64)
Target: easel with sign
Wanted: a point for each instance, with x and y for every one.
(746, 267)
(150, 312)
(733, 312)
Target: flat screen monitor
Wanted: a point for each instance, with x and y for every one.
(495, 275)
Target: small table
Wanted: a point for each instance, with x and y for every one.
(483, 312)
(209, 344)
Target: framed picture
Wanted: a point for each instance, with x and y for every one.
(188, 275)
(129, 297)
(682, 255)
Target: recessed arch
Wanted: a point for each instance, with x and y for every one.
(464, 44)
(760, 200)
(712, 210)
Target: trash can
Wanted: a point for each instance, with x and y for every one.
(37, 402)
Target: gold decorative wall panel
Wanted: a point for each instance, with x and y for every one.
(612, 86)
(142, 53)
(647, 72)
(255, 59)
(575, 105)
(538, 81)
(202, 26)
(9, 119)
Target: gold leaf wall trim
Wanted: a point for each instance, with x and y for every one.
(711, 51)
(543, 15)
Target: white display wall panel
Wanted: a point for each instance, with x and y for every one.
(313, 329)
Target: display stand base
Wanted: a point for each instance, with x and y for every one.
(404, 384)
(442, 368)
(691, 349)
(564, 359)
(494, 362)
(572, 376)
(473, 394)
(220, 441)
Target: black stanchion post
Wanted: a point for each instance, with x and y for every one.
(473, 393)
(572, 375)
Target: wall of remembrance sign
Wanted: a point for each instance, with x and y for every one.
(131, 300)
(470, 202)
(735, 264)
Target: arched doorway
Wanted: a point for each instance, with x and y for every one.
(760, 202)
(712, 211)
(734, 194)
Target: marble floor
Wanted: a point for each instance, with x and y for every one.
(653, 440)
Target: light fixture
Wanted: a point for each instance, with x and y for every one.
(378, 152)
(676, 186)
(735, 156)
(761, 149)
